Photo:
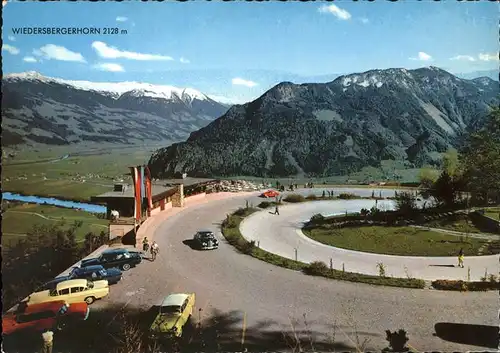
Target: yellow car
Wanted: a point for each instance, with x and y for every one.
(175, 311)
(71, 291)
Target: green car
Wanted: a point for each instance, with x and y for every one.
(175, 311)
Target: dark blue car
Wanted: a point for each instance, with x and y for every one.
(94, 273)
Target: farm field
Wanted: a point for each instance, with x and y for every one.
(18, 219)
(83, 174)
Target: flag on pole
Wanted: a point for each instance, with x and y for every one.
(143, 187)
(136, 178)
(149, 189)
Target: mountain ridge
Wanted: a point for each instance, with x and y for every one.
(327, 128)
(41, 109)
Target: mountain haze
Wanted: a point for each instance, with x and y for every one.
(331, 128)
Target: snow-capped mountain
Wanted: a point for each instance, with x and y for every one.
(322, 129)
(37, 108)
(116, 89)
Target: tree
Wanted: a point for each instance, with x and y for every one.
(406, 202)
(445, 189)
(481, 159)
(450, 161)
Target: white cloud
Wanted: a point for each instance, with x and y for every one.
(4, 2)
(105, 51)
(364, 20)
(242, 82)
(122, 19)
(422, 57)
(9, 48)
(112, 67)
(12, 38)
(463, 58)
(336, 11)
(29, 59)
(56, 52)
(184, 60)
(488, 57)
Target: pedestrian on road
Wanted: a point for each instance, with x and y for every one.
(155, 249)
(276, 211)
(47, 337)
(145, 244)
(461, 258)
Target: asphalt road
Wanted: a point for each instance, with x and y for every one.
(259, 297)
(282, 234)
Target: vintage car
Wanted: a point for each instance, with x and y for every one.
(94, 273)
(71, 291)
(205, 240)
(43, 316)
(119, 258)
(175, 311)
(270, 194)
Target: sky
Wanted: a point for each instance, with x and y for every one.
(238, 50)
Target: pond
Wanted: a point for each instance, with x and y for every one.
(88, 207)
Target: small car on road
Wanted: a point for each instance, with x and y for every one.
(205, 240)
(43, 316)
(270, 194)
(71, 291)
(174, 313)
(118, 258)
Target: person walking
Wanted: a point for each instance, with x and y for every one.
(461, 258)
(276, 210)
(155, 249)
(145, 244)
(48, 337)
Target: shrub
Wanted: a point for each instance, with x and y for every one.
(311, 197)
(381, 269)
(346, 196)
(240, 212)
(316, 268)
(264, 204)
(245, 246)
(318, 217)
(364, 212)
(294, 198)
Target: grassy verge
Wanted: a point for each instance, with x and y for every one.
(493, 212)
(403, 241)
(18, 219)
(457, 224)
(462, 286)
(231, 231)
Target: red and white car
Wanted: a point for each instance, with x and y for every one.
(39, 317)
(270, 194)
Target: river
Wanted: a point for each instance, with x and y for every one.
(88, 207)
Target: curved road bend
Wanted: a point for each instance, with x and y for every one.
(282, 235)
(228, 281)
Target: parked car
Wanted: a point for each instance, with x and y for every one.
(72, 291)
(97, 273)
(175, 311)
(270, 194)
(39, 317)
(205, 240)
(94, 273)
(119, 258)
